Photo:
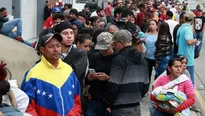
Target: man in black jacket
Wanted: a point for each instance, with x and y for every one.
(129, 77)
(101, 63)
(75, 57)
(47, 11)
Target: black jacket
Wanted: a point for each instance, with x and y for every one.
(101, 64)
(47, 13)
(129, 79)
(77, 59)
(2, 21)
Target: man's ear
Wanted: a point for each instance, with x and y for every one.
(78, 44)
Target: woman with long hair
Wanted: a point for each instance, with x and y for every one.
(150, 39)
(163, 48)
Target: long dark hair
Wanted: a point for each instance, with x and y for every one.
(163, 31)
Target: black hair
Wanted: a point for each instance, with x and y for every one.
(114, 4)
(2, 9)
(4, 88)
(171, 63)
(70, 6)
(86, 31)
(164, 30)
(98, 10)
(93, 19)
(118, 10)
(141, 6)
(181, 16)
(169, 14)
(58, 16)
(66, 5)
(47, 1)
(126, 12)
(82, 37)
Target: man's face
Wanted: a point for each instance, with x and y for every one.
(101, 13)
(48, 3)
(4, 13)
(82, 19)
(68, 37)
(75, 30)
(117, 46)
(72, 16)
(51, 50)
(57, 21)
(86, 9)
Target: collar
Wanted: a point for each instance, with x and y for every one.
(127, 48)
(48, 64)
(63, 55)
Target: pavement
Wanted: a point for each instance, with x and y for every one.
(199, 87)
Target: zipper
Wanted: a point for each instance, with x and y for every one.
(61, 97)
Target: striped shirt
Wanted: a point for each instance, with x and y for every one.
(185, 87)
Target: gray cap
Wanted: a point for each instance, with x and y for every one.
(122, 36)
(189, 15)
(104, 40)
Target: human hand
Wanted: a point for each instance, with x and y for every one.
(156, 65)
(102, 76)
(92, 76)
(108, 109)
(172, 110)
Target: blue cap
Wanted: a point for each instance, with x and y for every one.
(56, 10)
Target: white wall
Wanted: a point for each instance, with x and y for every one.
(29, 18)
(7, 4)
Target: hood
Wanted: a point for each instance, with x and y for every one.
(132, 54)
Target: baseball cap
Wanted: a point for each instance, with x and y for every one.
(189, 15)
(56, 10)
(62, 26)
(46, 38)
(122, 36)
(104, 40)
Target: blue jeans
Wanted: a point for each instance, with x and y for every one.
(96, 108)
(162, 65)
(199, 36)
(191, 72)
(9, 26)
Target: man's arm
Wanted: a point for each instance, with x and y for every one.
(189, 36)
(76, 109)
(116, 76)
(80, 65)
(28, 88)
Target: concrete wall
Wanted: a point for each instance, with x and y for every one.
(7, 4)
(40, 9)
(29, 18)
(18, 56)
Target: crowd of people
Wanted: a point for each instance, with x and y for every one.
(101, 63)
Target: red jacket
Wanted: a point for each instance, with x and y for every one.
(48, 23)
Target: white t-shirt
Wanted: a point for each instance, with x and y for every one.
(94, 14)
(172, 25)
(174, 10)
